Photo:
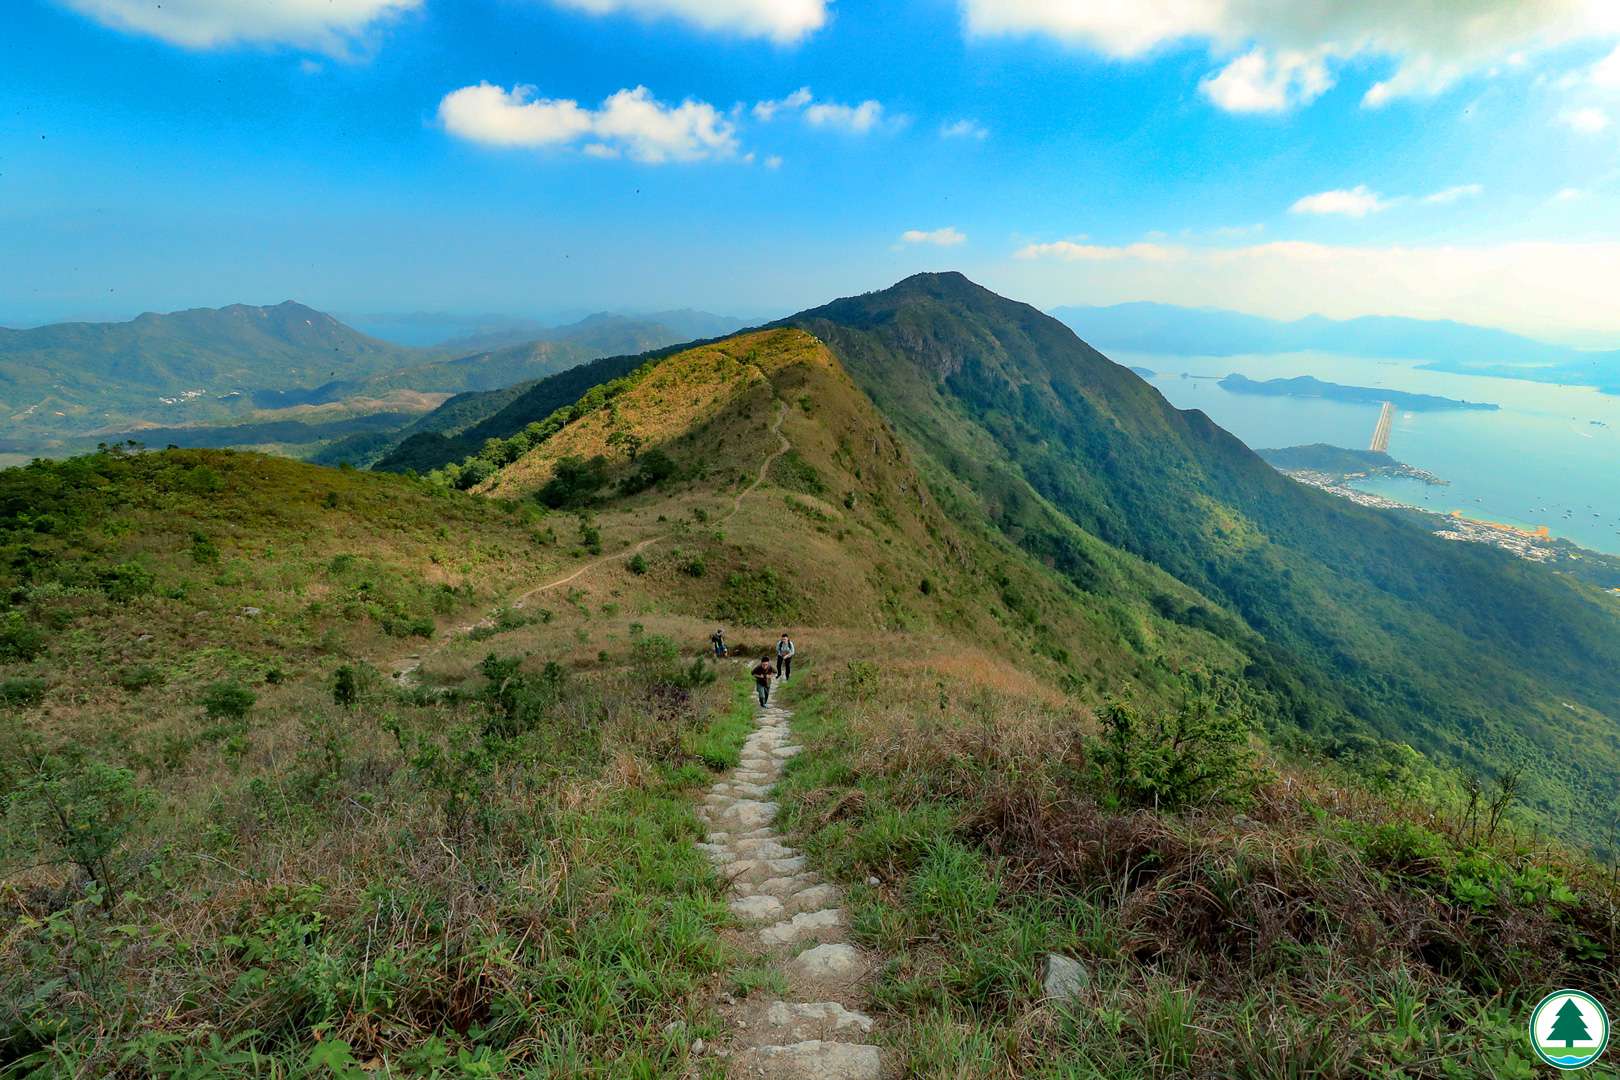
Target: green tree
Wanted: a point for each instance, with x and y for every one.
(1569, 1027)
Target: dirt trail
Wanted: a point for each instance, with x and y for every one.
(814, 1031)
(404, 670)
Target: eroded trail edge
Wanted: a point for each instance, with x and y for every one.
(795, 920)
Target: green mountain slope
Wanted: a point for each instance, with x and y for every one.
(277, 792)
(1370, 625)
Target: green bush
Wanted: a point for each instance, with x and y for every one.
(346, 687)
(19, 640)
(76, 810)
(140, 677)
(575, 482)
(125, 582)
(1196, 753)
(21, 693)
(653, 468)
(637, 564)
(227, 700)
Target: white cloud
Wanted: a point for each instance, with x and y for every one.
(1431, 44)
(1569, 194)
(964, 129)
(1561, 291)
(336, 27)
(1356, 202)
(946, 237)
(1606, 72)
(774, 161)
(1260, 82)
(1453, 194)
(780, 20)
(767, 110)
(858, 119)
(631, 122)
(1587, 121)
(1070, 251)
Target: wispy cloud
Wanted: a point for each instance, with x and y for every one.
(946, 237)
(336, 27)
(1071, 251)
(767, 110)
(630, 122)
(1356, 202)
(857, 119)
(780, 20)
(1454, 194)
(1588, 120)
(964, 129)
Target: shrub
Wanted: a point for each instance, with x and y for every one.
(203, 550)
(18, 639)
(227, 700)
(590, 537)
(1196, 753)
(80, 811)
(125, 582)
(21, 693)
(346, 687)
(637, 564)
(653, 468)
(574, 483)
(140, 677)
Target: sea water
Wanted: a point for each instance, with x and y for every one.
(1550, 456)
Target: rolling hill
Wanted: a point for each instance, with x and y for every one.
(334, 771)
(239, 375)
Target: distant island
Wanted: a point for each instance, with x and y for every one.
(1146, 373)
(1305, 386)
(1343, 464)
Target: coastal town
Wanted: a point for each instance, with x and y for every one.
(1537, 546)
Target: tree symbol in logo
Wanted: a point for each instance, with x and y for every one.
(1569, 1026)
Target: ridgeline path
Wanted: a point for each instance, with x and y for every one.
(405, 669)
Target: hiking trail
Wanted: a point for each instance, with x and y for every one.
(794, 919)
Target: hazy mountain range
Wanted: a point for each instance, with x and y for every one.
(68, 385)
(1145, 327)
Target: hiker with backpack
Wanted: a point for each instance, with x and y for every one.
(762, 680)
(718, 640)
(784, 656)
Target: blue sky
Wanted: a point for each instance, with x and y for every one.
(539, 156)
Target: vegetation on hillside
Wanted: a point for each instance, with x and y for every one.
(1359, 624)
(233, 844)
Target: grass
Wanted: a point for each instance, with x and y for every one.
(1318, 933)
(493, 873)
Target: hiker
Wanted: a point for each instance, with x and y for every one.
(762, 680)
(718, 640)
(784, 656)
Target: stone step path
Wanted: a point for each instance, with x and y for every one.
(795, 921)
